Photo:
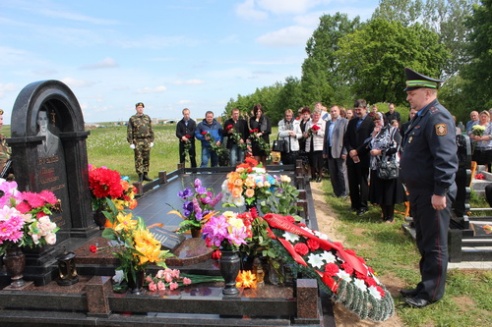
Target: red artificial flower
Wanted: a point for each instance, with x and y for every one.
(331, 269)
(312, 244)
(254, 130)
(301, 248)
(381, 291)
(216, 255)
(360, 275)
(204, 133)
(330, 282)
(104, 182)
(230, 126)
(93, 248)
(371, 282)
(188, 136)
(315, 128)
(348, 268)
(23, 207)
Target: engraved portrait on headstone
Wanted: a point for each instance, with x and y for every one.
(50, 144)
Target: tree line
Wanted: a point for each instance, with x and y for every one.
(349, 59)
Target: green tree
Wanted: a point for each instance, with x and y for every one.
(479, 71)
(373, 58)
(320, 76)
(289, 97)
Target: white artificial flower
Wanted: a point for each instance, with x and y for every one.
(118, 276)
(309, 230)
(291, 237)
(321, 235)
(238, 202)
(342, 274)
(360, 284)
(328, 257)
(315, 260)
(374, 292)
(50, 238)
(285, 179)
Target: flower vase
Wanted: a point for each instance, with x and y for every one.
(229, 268)
(196, 232)
(15, 262)
(99, 218)
(135, 283)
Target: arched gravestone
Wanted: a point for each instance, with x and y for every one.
(49, 151)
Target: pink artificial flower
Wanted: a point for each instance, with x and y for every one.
(175, 273)
(49, 197)
(161, 286)
(168, 277)
(173, 286)
(152, 287)
(23, 207)
(160, 274)
(148, 279)
(34, 199)
(186, 281)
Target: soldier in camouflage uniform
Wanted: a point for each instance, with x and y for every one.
(141, 139)
(4, 154)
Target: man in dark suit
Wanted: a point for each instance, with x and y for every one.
(334, 150)
(359, 130)
(185, 132)
(236, 132)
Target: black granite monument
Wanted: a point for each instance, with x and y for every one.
(49, 151)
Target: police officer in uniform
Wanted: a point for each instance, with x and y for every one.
(428, 164)
(141, 139)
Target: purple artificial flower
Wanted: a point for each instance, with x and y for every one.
(237, 236)
(216, 200)
(197, 209)
(184, 194)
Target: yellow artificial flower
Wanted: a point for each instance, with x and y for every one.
(246, 279)
(250, 181)
(124, 222)
(148, 246)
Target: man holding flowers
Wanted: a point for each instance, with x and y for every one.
(237, 132)
(209, 131)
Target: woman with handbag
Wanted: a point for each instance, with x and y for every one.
(385, 188)
(315, 139)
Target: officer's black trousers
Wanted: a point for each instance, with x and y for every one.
(431, 228)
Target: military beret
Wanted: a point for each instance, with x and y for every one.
(139, 104)
(1, 111)
(416, 80)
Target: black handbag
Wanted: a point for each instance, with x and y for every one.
(387, 168)
(280, 146)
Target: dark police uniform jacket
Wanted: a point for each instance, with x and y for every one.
(429, 158)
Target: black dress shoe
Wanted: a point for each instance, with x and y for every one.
(409, 292)
(417, 302)
(361, 212)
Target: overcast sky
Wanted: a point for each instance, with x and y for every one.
(169, 54)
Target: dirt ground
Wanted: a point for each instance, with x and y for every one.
(327, 224)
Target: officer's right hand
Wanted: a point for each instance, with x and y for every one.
(132, 146)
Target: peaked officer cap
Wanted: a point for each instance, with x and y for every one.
(416, 80)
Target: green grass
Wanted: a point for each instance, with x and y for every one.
(108, 147)
(394, 256)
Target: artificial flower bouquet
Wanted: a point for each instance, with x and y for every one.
(187, 147)
(478, 130)
(133, 244)
(231, 132)
(198, 206)
(218, 149)
(227, 231)
(247, 185)
(106, 183)
(339, 271)
(24, 217)
(172, 279)
(313, 130)
(262, 144)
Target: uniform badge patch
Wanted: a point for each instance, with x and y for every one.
(441, 129)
